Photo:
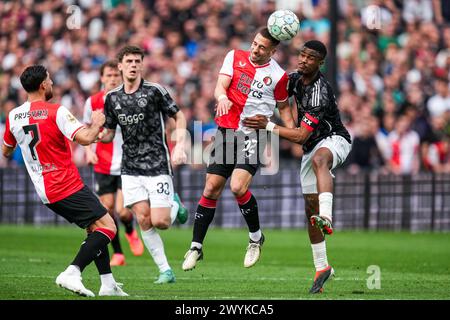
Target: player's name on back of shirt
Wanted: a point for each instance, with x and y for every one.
(43, 168)
(39, 114)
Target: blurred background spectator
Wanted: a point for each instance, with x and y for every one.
(392, 77)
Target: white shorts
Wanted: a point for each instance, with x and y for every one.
(339, 147)
(158, 190)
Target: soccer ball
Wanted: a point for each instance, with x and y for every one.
(283, 25)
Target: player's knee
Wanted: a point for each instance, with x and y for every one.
(144, 220)
(109, 224)
(161, 223)
(238, 189)
(125, 214)
(211, 190)
(320, 162)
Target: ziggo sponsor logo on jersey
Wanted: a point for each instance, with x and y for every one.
(131, 119)
(245, 81)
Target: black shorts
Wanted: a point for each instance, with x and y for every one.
(82, 208)
(105, 183)
(236, 150)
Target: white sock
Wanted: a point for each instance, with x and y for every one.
(255, 236)
(73, 269)
(155, 246)
(174, 211)
(320, 255)
(107, 280)
(326, 205)
(197, 245)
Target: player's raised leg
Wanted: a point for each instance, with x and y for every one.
(203, 217)
(309, 184)
(322, 162)
(240, 182)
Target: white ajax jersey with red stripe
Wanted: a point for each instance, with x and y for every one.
(254, 89)
(42, 131)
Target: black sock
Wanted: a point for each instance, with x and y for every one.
(203, 217)
(116, 241)
(249, 209)
(128, 225)
(91, 248)
(102, 261)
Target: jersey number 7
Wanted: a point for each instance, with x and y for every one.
(35, 138)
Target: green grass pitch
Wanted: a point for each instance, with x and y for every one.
(412, 266)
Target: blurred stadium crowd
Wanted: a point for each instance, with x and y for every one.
(393, 80)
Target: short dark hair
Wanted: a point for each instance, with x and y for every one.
(110, 64)
(317, 46)
(129, 50)
(266, 34)
(32, 77)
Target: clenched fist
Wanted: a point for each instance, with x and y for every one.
(97, 119)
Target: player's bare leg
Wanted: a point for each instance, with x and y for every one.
(322, 162)
(126, 216)
(318, 246)
(204, 215)
(149, 219)
(118, 258)
(239, 184)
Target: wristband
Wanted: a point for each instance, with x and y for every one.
(270, 126)
(221, 97)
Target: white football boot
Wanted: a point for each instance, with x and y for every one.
(114, 290)
(73, 283)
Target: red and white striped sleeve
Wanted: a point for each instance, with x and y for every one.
(67, 123)
(8, 138)
(227, 66)
(280, 93)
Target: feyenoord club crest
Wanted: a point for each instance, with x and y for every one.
(142, 103)
(267, 81)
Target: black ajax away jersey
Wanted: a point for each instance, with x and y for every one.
(141, 116)
(317, 109)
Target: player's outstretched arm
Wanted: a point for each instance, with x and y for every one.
(107, 135)
(90, 134)
(297, 135)
(286, 114)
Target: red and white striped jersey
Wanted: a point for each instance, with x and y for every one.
(41, 128)
(109, 154)
(254, 89)
(404, 151)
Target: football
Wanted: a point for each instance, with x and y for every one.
(283, 25)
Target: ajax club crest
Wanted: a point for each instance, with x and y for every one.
(142, 102)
